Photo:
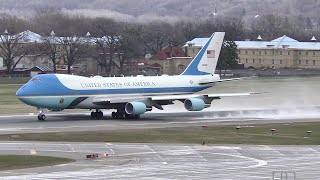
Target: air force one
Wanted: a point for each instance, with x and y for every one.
(129, 96)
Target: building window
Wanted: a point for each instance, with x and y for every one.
(280, 61)
(299, 61)
(192, 50)
(307, 53)
(288, 53)
(307, 62)
(260, 52)
(314, 62)
(265, 52)
(299, 52)
(272, 61)
(253, 52)
(239, 61)
(314, 53)
(246, 52)
(246, 60)
(252, 60)
(272, 52)
(280, 52)
(239, 51)
(260, 61)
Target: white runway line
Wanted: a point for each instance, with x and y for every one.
(163, 161)
(108, 146)
(71, 147)
(271, 149)
(196, 153)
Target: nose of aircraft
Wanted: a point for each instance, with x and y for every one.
(20, 91)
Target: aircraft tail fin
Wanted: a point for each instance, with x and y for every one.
(205, 61)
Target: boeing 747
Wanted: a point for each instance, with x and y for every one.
(129, 96)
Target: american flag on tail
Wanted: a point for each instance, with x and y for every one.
(210, 54)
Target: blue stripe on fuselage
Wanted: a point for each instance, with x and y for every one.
(49, 85)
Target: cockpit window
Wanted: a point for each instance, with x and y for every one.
(35, 79)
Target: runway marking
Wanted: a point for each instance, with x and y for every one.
(163, 161)
(269, 148)
(196, 152)
(107, 145)
(47, 114)
(43, 128)
(71, 147)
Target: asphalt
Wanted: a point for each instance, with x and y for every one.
(81, 121)
(163, 161)
(168, 161)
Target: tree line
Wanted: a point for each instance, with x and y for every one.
(114, 43)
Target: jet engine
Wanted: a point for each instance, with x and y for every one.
(195, 104)
(136, 108)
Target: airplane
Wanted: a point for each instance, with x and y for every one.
(129, 96)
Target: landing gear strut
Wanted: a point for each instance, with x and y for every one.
(41, 116)
(98, 114)
(120, 114)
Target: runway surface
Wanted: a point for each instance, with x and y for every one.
(163, 161)
(68, 121)
(168, 161)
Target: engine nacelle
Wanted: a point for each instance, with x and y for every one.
(194, 104)
(136, 108)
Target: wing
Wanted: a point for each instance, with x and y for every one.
(207, 82)
(158, 101)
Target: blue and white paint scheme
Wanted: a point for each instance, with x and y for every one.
(130, 96)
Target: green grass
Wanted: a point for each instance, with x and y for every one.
(9, 162)
(12, 80)
(287, 134)
(8, 101)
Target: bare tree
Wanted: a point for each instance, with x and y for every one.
(12, 50)
(129, 46)
(73, 49)
(156, 36)
(50, 47)
(107, 42)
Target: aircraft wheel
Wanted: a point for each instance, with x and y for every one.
(136, 116)
(41, 117)
(93, 114)
(113, 114)
(121, 115)
(99, 114)
(127, 116)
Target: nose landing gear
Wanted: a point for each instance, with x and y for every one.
(41, 116)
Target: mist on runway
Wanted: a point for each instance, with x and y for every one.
(289, 97)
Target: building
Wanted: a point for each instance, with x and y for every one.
(88, 64)
(283, 52)
(170, 60)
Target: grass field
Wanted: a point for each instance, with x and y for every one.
(8, 101)
(9, 162)
(12, 80)
(286, 134)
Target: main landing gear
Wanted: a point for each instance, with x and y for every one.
(41, 116)
(98, 114)
(122, 114)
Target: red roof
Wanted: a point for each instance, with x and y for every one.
(165, 53)
(155, 65)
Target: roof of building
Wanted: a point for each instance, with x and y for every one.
(283, 42)
(165, 53)
(41, 68)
